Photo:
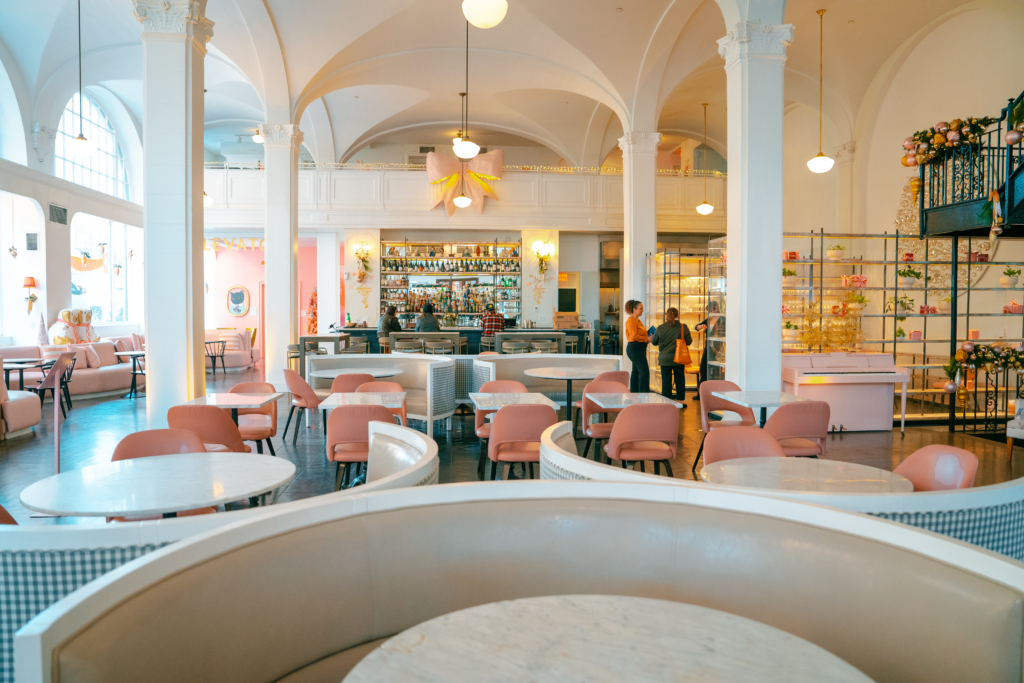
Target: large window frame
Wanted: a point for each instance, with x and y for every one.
(105, 170)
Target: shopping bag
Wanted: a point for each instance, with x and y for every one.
(682, 356)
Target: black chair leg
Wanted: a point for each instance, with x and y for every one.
(668, 468)
(699, 452)
(67, 396)
(657, 467)
(494, 470)
(284, 435)
(254, 502)
(531, 470)
(481, 468)
(270, 445)
(298, 424)
(259, 447)
(575, 423)
(586, 449)
(323, 420)
(338, 473)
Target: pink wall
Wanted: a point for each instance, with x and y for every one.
(225, 269)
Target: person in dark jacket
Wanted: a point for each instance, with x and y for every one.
(387, 324)
(712, 326)
(665, 339)
(427, 322)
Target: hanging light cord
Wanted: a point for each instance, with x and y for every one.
(81, 131)
(705, 164)
(466, 125)
(821, 68)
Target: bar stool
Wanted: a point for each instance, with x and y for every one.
(515, 347)
(409, 346)
(486, 343)
(215, 350)
(314, 348)
(544, 346)
(385, 344)
(359, 347)
(464, 345)
(444, 347)
(571, 344)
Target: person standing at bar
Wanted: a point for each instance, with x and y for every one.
(387, 324)
(427, 322)
(636, 348)
(665, 338)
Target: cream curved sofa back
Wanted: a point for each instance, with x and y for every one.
(40, 565)
(988, 516)
(302, 592)
(513, 365)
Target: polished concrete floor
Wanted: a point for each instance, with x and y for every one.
(94, 427)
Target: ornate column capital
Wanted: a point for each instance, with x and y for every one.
(288, 134)
(640, 143)
(755, 39)
(845, 152)
(175, 17)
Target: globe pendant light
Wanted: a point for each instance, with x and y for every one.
(484, 13)
(462, 201)
(258, 138)
(820, 163)
(79, 145)
(465, 148)
(705, 208)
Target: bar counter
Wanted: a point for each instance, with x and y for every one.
(473, 334)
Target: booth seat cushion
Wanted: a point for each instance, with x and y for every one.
(335, 667)
(351, 452)
(800, 447)
(20, 352)
(22, 409)
(126, 341)
(98, 380)
(105, 350)
(525, 451)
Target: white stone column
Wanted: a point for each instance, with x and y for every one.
(281, 146)
(328, 280)
(640, 229)
(174, 38)
(755, 58)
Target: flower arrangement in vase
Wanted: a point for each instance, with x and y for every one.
(788, 278)
(835, 252)
(790, 332)
(1009, 278)
(909, 276)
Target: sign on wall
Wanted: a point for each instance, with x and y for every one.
(236, 244)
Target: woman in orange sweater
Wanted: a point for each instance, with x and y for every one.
(636, 348)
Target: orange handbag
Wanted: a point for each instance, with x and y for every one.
(682, 356)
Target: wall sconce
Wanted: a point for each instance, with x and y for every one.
(30, 284)
(543, 251)
(362, 254)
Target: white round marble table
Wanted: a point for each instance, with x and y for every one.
(805, 474)
(568, 374)
(597, 638)
(331, 373)
(160, 484)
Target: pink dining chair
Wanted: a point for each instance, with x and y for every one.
(374, 387)
(599, 430)
(643, 433)
(515, 436)
(709, 403)
(348, 440)
(488, 353)
(347, 384)
(939, 468)
(5, 517)
(740, 442)
(303, 398)
(152, 442)
(257, 424)
(212, 425)
(620, 376)
(481, 426)
(800, 428)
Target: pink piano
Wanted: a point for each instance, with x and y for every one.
(858, 387)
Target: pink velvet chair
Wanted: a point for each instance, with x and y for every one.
(303, 398)
(800, 428)
(620, 376)
(740, 442)
(212, 425)
(257, 424)
(939, 468)
(348, 440)
(347, 384)
(481, 426)
(709, 403)
(599, 430)
(373, 387)
(515, 436)
(643, 433)
(152, 442)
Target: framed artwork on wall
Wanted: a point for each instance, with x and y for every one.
(238, 301)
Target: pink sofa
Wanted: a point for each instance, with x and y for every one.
(113, 376)
(18, 410)
(238, 353)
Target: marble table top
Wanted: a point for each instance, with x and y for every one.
(130, 354)
(759, 399)
(235, 400)
(498, 401)
(805, 474)
(598, 638)
(157, 484)
(388, 400)
(563, 373)
(20, 366)
(25, 361)
(621, 400)
(331, 373)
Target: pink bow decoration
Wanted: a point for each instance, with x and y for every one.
(1013, 307)
(855, 280)
(785, 309)
(925, 310)
(473, 178)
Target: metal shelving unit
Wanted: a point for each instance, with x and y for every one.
(677, 278)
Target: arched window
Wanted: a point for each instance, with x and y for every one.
(104, 170)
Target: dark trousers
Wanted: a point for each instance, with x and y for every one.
(703, 376)
(678, 372)
(640, 376)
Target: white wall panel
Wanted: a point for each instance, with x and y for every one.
(354, 190)
(245, 187)
(566, 191)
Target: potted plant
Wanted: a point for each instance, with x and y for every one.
(899, 305)
(909, 276)
(790, 332)
(856, 302)
(1009, 278)
(945, 304)
(900, 334)
(788, 278)
(835, 252)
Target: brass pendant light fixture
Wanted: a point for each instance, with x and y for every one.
(705, 209)
(465, 148)
(80, 146)
(821, 163)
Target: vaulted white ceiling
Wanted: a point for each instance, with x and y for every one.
(569, 75)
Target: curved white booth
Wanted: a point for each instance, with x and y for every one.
(304, 591)
(988, 516)
(40, 565)
(428, 381)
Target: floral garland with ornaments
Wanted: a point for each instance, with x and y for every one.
(970, 356)
(936, 143)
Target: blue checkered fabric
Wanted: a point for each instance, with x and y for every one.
(999, 528)
(31, 581)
